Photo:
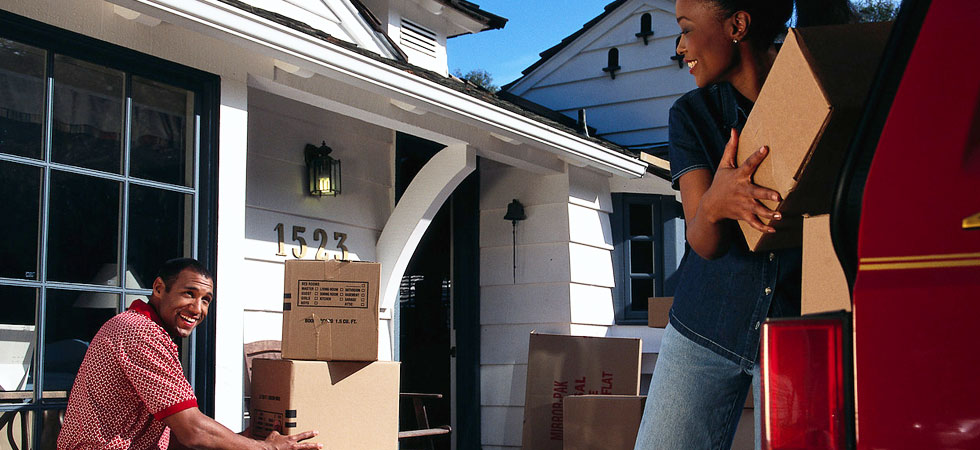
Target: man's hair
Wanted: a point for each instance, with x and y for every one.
(171, 269)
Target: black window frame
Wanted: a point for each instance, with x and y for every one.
(206, 87)
(663, 208)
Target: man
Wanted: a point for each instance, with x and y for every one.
(130, 391)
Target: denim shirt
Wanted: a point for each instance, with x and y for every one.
(721, 303)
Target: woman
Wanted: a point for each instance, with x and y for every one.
(708, 351)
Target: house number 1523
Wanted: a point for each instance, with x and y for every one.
(319, 235)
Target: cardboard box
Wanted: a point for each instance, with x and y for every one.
(354, 405)
(824, 286)
(559, 366)
(807, 112)
(658, 311)
(330, 310)
(607, 422)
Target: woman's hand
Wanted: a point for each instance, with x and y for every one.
(728, 195)
(733, 195)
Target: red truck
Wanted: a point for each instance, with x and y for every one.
(901, 370)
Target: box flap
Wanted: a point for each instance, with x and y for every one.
(793, 98)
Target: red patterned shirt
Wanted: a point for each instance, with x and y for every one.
(130, 380)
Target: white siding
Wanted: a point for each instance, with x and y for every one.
(632, 108)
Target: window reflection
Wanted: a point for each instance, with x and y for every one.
(69, 326)
(641, 257)
(159, 229)
(20, 189)
(17, 342)
(21, 99)
(641, 290)
(15, 430)
(83, 229)
(160, 147)
(88, 112)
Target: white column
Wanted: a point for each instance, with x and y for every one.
(231, 289)
(412, 216)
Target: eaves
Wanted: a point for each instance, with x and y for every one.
(335, 61)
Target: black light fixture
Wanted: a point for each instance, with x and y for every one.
(515, 213)
(646, 29)
(324, 171)
(677, 56)
(612, 62)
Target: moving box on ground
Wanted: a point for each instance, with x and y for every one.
(354, 405)
(607, 422)
(330, 310)
(559, 366)
(806, 113)
(824, 285)
(658, 311)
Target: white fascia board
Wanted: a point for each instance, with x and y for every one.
(278, 41)
(558, 60)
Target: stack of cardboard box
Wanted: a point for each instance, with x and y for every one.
(329, 379)
(602, 375)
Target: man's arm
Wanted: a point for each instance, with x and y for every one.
(194, 430)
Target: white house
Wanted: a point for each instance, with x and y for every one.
(133, 131)
(620, 67)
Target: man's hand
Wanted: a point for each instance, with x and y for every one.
(190, 428)
(292, 442)
(733, 195)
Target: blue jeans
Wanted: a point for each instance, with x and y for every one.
(695, 400)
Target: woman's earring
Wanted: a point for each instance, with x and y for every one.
(735, 41)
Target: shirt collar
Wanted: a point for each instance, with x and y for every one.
(140, 307)
(735, 107)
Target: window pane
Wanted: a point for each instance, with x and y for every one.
(50, 427)
(17, 432)
(20, 189)
(83, 228)
(161, 147)
(17, 341)
(641, 220)
(641, 289)
(130, 298)
(641, 257)
(88, 111)
(71, 320)
(159, 229)
(21, 99)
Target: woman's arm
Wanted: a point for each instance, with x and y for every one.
(730, 195)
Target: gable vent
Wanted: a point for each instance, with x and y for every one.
(418, 38)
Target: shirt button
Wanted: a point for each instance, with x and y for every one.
(757, 325)
(772, 256)
(768, 291)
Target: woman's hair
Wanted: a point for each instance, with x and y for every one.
(769, 17)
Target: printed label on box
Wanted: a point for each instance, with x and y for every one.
(265, 422)
(333, 294)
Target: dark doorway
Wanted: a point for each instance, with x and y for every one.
(426, 343)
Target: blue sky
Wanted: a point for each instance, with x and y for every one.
(533, 26)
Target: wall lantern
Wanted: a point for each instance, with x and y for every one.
(677, 56)
(324, 170)
(515, 213)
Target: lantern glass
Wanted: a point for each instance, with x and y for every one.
(324, 172)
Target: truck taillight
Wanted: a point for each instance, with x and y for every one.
(804, 400)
